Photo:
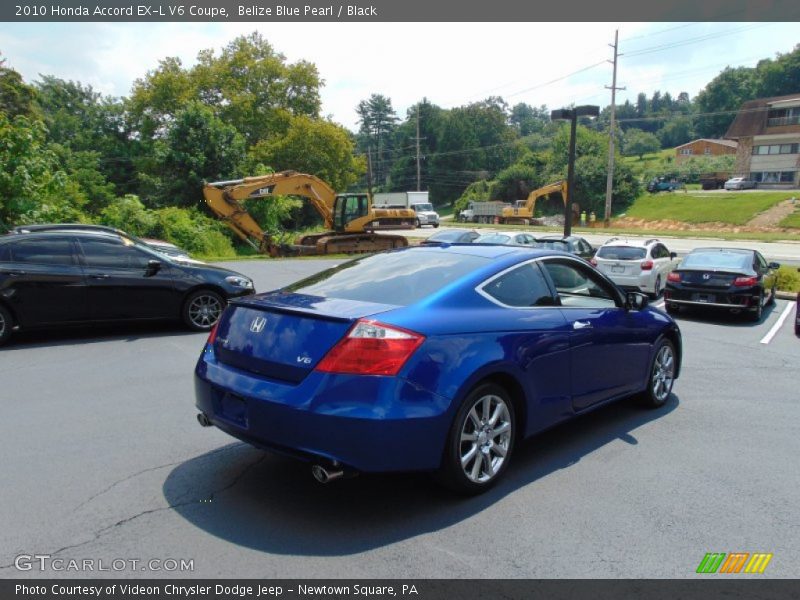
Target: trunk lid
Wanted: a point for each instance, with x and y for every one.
(282, 335)
(708, 278)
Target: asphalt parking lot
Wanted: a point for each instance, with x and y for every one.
(103, 459)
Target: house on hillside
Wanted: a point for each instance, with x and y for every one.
(768, 132)
(704, 147)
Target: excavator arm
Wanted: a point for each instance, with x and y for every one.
(225, 199)
(552, 188)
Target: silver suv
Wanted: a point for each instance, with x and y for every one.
(640, 265)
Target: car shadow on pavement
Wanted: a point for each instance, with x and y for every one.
(67, 336)
(273, 504)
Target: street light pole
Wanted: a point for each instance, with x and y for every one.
(572, 114)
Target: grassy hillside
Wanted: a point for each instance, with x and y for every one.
(695, 207)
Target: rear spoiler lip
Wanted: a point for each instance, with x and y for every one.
(260, 302)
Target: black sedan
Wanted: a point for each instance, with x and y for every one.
(732, 279)
(70, 277)
(572, 243)
(451, 236)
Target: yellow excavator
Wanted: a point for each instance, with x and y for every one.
(350, 218)
(522, 211)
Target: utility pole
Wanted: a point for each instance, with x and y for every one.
(419, 172)
(613, 88)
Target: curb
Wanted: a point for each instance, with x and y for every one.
(786, 295)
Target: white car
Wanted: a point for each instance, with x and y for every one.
(506, 238)
(639, 265)
(739, 183)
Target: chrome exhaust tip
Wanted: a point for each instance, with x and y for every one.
(324, 475)
(203, 420)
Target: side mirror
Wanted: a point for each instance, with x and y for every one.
(673, 255)
(636, 301)
(153, 267)
(774, 265)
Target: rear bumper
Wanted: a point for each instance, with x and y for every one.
(723, 299)
(370, 424)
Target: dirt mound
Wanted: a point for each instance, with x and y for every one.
(669, 225)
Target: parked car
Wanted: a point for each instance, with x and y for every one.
(451, 236)
(797, 314)
(641, 265)
(731, 279)
(431, 358)
(739, 183)
(506, 239)
(71, 276)
(171, 250)
(573, 244)
(664, 184)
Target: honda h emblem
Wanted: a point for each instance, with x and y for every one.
(706, 275)
(257, 326)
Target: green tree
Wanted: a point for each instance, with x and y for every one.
(16, 97)
(377, 124)
(32, 186)
(403, 174)
(676, 131)
(638, 143)
(719, 101)
(197, 147)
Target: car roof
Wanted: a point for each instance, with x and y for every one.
(634, 243)
(45, 233)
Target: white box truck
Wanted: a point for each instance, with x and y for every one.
(416, 201)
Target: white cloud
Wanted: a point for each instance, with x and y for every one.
(449, 63)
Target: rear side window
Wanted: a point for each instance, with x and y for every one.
(578, 287)
(112, 254)
(621, 253)
(41, 251)
(523, 287)
(399, 278)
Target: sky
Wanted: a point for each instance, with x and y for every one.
(450, 64)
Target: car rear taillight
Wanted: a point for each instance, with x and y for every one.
(647, 265)
(212, 335)
(371, 348)
(745, 281)
(674, 277)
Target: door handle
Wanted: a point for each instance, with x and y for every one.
(99, 276)
(581, 324)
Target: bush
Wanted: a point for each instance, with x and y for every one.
(788, 279)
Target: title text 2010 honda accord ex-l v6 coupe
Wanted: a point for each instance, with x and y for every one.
(431, 358)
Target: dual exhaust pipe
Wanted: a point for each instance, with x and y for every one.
(321, 473)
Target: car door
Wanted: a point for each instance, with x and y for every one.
(121, 286)
(43, 281)
(534, 334)
(609, 345)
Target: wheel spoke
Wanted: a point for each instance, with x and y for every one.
(476, 467)
(468, 437)
(469, 455)
(473, 416)
(498, 412)
(502, 429)
(487, 459)
(486, 408)
(499, 450)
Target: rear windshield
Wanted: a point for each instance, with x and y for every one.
(621, 253)
(718, 260)
(553, 245)
(492, 239)
(446, 236)
(398, 278)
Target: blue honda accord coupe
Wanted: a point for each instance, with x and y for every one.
(437, 358)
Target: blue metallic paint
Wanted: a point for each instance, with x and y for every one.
(377, 423)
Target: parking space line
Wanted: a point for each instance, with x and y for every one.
(775, 328)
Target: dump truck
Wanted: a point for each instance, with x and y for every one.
(482, 212)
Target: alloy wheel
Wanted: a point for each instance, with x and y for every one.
(204, 310)
(485, 438)
(663, 373)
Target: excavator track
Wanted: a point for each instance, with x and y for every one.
(349, 243)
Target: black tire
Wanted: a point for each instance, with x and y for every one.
(661, 375)
(202, 309)
(417, 225)
(755, 315)
(671, 309)
(656, 293)
(6, 323)
(490, 450)
(771, 297)
(435, 225)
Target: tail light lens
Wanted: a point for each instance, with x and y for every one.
(674, 277)
(745, 281)
(647, 265)
(371, 348)
(212, 334)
